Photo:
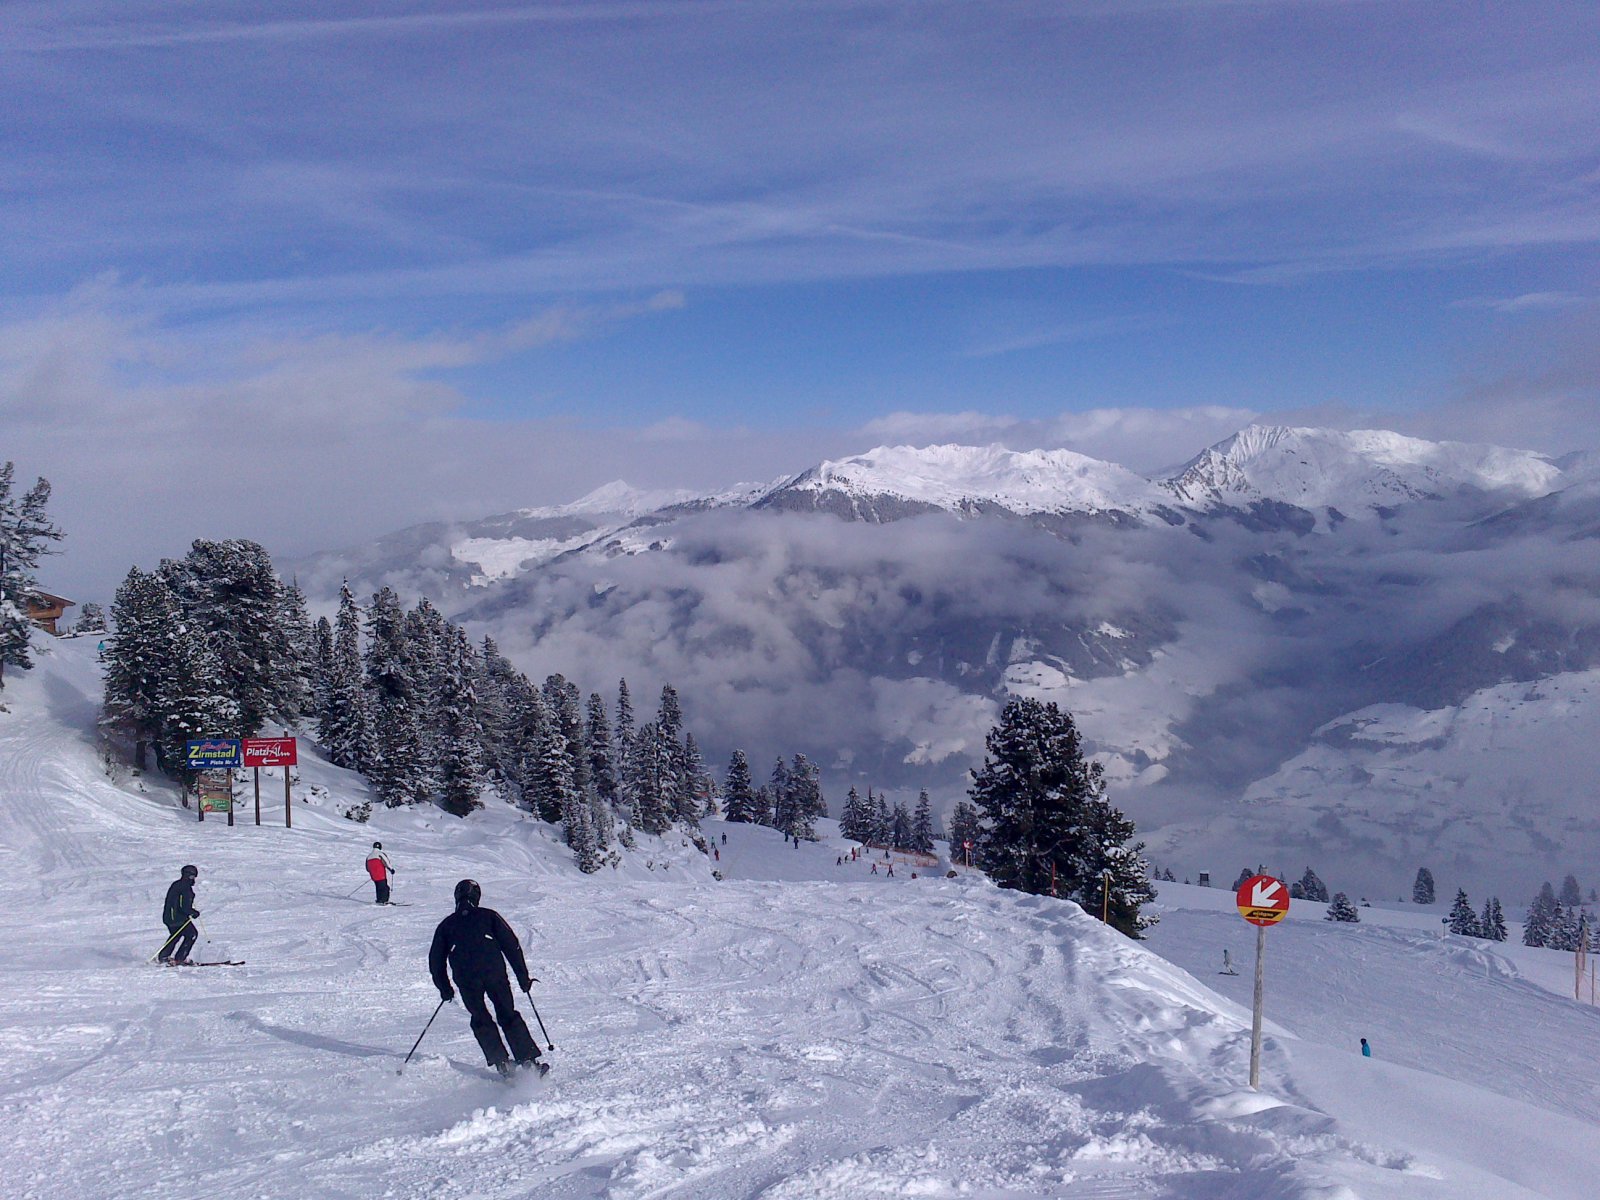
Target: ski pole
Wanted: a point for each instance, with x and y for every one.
(353, 891)
(420, 1036)
(548, 1043)
(171, 939)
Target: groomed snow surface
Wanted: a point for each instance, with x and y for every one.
(798, 1030)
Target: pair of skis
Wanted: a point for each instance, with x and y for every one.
(223, 962)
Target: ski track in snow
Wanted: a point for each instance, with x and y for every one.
(784, 1037)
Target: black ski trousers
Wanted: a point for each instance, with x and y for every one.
(178, 944)
(383, 890)
(523, 1047)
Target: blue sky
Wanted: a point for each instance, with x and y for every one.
(514, 250)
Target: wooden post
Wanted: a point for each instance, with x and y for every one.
(230, 797)
(1255, 1019)
(258, 794)
(198, 807)
(288, 807)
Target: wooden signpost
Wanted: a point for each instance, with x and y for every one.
(272, 752)
(1262, 901)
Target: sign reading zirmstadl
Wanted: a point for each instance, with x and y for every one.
(211, 753)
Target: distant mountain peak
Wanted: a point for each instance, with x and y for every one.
(1356, 470)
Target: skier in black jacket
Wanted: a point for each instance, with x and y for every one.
(178, 914)
(478, 943)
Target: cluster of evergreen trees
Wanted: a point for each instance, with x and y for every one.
(26, 532)
(209, 645)
(790, 801)
(1042, 822)
(873, 822)
(1558, 924)
(1309, 887)
(214, 644)
(1490, 924)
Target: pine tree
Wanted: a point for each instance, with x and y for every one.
(1047, 823)
(697, 794)
(344, 725)
(1571, 893)
(230, 590)
(1342, 910)
(922, 824)
(1462, 919)
(854, 822)
(398, 772)
(299, 672)
(192, 702)
(900, 826)
(761, 806)
(91, 619)
(144, 611)
(1422, 889)
(782, 798)
(652, 761)
(1493, 922)
(806, 804)
(966, 832)
(597, 738)
(1312, 888)
(461, 770)
(322, 664)
(1540, 926)
(739, 798)
(1248, 873)
(25, 534)
(882, 819)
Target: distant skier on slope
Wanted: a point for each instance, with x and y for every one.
(178, 914)
(1366, 1050)
(380, 868)
(478, 943)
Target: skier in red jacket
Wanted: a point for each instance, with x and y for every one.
(380, 868)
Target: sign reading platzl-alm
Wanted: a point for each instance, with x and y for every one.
(1263, 900)
(270, 752)
(209, 753)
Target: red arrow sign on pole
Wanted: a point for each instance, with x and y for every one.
(1263, 900)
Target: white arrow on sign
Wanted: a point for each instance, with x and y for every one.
(1261, 895)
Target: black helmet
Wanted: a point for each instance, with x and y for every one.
(468, 893)
(377, 845)
(190, 872)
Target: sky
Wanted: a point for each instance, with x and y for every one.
(311, 272)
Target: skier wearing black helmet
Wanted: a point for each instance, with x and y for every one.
(178, 914)
(379, 869)
(477, 943)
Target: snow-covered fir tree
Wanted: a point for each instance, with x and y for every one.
(300, 672)
(1540, 926)
(144, 611)
(1046, 821)
(1422, 889)
(345, 724)
(651, 767)
(322, 664)
(737, 793)
(398, 771)
(1462, 919)
(701, 789)
(806, 805)
(855, 821)
(1342, 910)
(91, 619)
(922, 824)
(26, 533)
(1571, 895)
(882, 819)
(761, 806)
(966, 832)
(900, 826)
(1492, 924)
(597, 739)
(461, 769)
(193, 701)
(1312, 888)
(229, 589)
(782, 797)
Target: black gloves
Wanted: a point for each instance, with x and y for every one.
(446, 995)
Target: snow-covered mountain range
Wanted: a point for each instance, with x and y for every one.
(1214, 629)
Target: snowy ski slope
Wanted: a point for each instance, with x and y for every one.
(798, 1030)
